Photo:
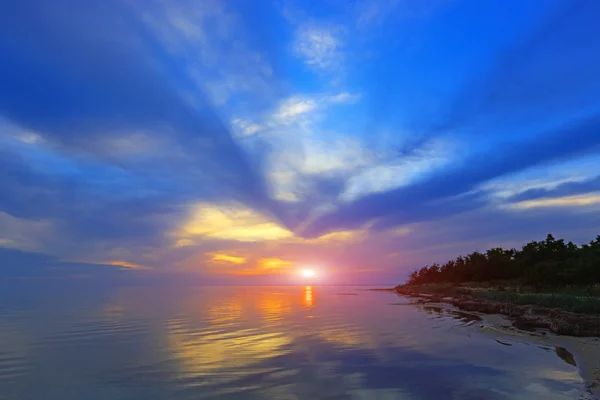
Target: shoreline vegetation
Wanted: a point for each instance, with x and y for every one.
(549, 284)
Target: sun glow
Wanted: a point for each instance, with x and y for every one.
(308, 273)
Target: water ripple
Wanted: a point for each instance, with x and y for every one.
(269, 343)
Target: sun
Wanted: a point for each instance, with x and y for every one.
(308, 273)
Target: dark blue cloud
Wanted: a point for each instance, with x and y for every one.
(23, 265)
(102, 204)
(79, 73)
(562, 190)
(538, 104)
(423, 200)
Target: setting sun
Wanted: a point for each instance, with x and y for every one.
(308, 273)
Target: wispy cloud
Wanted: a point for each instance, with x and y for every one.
(26, 234)
(582, 200)
(247, 128)
(370, 13)
(320, 47)
(290, 109)
(208, 38)
(395, 172)
(344, 97)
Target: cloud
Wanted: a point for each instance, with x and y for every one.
(515, 91)
(225, 258)
(321, 47)
(458, 182)
(230, 222)
(247, 128)
(214, 42)
(25, 234)
(561, 189)
(222, 263)
(302, 109)
(88, 209)
(400, 171)
(290, 109)
(126, 264)
(578, 201)
(295, 149)
(273, 265)
(31, 265)
(371, 13)
(184, 243)
(344, 97)
(101, 128)
(103, 83)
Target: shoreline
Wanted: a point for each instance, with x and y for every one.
(524, 317)
(527, 323)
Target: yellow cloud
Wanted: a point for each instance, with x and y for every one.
(125, 264)
(240, 223)
(577, 200)
(273, 264)
(339, 236)
(224, 258)
(230, 222)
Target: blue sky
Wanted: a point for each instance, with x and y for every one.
(240, 141)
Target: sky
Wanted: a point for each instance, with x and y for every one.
(240, 142)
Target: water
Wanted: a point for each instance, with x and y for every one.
(261, 343)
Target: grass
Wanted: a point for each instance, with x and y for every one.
(579, 299)
(567, 302)
(586, 291)
(446, 289)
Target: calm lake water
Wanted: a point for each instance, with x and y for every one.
(261, 343)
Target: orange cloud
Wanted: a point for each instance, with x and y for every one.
(273, 264)
(263, 266)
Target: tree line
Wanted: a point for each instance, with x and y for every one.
(549, 262)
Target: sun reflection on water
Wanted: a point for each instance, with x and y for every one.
(308, 297)
(225, 312)
(273, 306)
(243, 330)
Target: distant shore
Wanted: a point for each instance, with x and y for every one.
(527, 310)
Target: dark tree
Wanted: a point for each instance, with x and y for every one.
(550, 262)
